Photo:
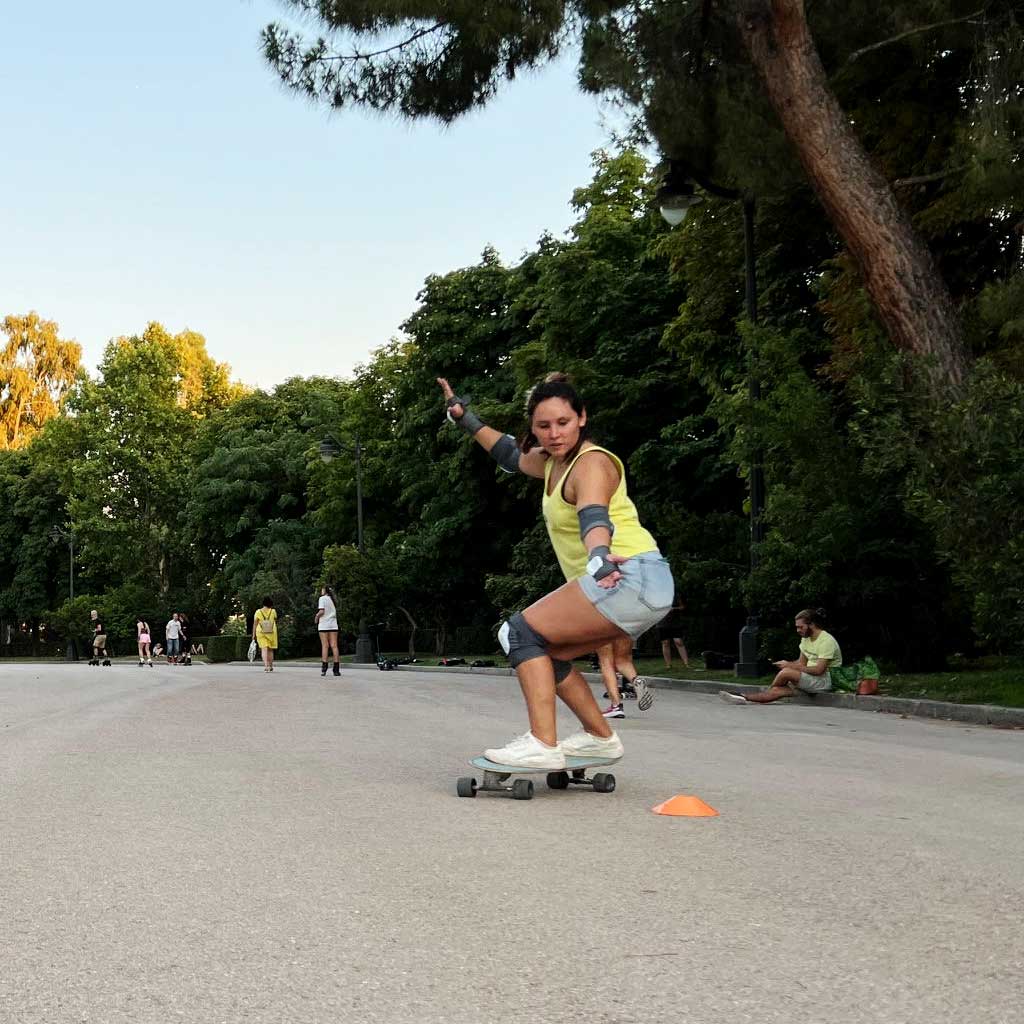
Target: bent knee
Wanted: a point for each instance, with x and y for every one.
(520, 641)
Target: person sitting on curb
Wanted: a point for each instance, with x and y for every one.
(819, 652)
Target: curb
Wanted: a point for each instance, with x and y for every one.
(973, 714)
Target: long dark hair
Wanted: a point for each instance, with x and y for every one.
(330, 594)
(554, 385)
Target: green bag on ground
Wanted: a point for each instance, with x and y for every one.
(846, 677)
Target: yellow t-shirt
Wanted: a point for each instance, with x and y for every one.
(824, 646)
(629, 539)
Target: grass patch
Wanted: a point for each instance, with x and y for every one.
(984, 681)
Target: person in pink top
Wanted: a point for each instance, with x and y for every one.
(145, 641)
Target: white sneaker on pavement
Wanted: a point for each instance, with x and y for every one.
(585, 744)
(732, 698)
(527, 751)
(644, 694)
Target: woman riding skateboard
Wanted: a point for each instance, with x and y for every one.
(618, 583)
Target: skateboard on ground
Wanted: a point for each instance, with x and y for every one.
(574, 774)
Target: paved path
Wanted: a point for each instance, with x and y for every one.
(213, 844)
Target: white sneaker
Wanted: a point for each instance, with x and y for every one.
(732, 698)
(585, 744)
(527, 751)
(644, 694)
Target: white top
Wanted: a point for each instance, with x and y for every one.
(173, 630)
(329, 619)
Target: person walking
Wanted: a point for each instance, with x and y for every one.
(617, 587)
(614, 660)
(264, 632)
(186, 658)
(327, 626)
(819, 652)
(172, 634)
(145, 640)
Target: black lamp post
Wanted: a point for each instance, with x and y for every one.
(57, 535)
(330, 449)
(675, 198)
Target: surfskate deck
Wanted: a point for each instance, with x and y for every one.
(496, 777)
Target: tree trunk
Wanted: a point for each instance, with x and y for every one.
(412, 631)
(909, 296)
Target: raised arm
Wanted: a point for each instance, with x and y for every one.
(501, 447)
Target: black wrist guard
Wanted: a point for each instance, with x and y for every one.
(469, 421)
(598, 565)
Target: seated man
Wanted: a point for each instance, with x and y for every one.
(818, 653)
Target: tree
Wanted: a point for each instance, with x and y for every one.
(33, 570)
(713, 81)
(248, 517)
(36, 370)
(124, 456)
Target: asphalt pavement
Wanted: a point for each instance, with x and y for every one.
(214, 844)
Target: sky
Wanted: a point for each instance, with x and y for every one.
(155, 169)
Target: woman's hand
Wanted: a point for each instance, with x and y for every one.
(456, 410)
(612, 578)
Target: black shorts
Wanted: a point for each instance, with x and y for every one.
(670, 633)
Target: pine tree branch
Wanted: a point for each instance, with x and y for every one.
(910, 32)
(923, 179)
(357, 56)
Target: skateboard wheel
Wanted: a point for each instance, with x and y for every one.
(558, 780)
(604, 783)
(522, 789)
(466, 787)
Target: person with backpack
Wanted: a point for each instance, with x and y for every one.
(264, 632)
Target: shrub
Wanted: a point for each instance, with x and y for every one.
(226, 648)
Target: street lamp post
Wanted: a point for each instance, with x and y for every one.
(330, 448)
(58, 534)
(676, 197)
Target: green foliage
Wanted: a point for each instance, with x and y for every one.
(36, 370)
(902, 519)
(72, 621)
(227, 648)
(235, 626)
(33, 567)
(973, 500)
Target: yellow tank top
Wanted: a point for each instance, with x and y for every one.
(564, 527)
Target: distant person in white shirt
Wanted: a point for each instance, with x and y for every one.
(173, 633)
(327, 624)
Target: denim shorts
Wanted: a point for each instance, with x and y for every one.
(641, 599)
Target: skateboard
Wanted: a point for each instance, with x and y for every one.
(574, 774)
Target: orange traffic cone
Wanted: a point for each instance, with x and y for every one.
(686, 807)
